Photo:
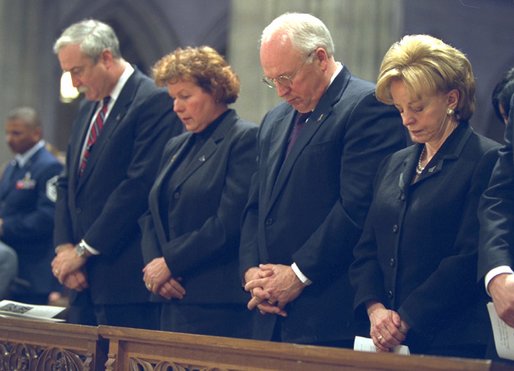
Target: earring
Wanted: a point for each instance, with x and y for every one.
(450, 111)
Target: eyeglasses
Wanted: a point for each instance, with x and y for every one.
(285, 80)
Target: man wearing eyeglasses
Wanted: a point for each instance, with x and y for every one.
(318, 153)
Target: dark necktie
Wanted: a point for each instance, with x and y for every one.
(300, 120)
(94, 132)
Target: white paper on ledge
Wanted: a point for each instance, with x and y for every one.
(503, 334)
(364, 344)
(9, 308)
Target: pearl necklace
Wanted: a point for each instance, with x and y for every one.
(419, 167)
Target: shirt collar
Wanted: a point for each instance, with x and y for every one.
(22, 159)
(127, 72)
(336, 72)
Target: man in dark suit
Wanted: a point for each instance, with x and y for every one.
(27, 205)
(496, 214)
(112, 160)
(311, 192)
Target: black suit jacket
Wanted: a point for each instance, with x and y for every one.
(310, 208)
(418, 252)
(200, 242)
(27, 197)
(497, 210)
(103, 205)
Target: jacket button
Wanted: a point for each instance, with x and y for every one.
(395, 228)
(269, 221)
(390, 294)
(176, 195)
(391, 262)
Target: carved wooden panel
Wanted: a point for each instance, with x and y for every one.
(18, 356)
(138, 364)
(143, 350)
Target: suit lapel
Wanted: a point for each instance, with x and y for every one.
(205, 152)
(83, 124)
(449, 151)
(409, 167)
(318, 118)
(277, 148)
(181, 145)
(116, 116)
(209, 147)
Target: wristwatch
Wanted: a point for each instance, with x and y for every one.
(82, 250)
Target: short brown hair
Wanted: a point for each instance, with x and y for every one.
(427, 65)
(203, 66)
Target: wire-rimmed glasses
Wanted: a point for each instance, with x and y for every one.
(285, 80)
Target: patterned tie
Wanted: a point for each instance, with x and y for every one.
(94, 132)
(300, 120)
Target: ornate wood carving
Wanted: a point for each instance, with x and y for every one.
(17, 356)
(137, 364)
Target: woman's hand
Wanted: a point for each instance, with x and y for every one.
(387, 329)
(158, 279)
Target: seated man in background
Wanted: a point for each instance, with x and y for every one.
(27, 207)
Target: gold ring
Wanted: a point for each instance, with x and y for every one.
(148, 286)
(379, 337)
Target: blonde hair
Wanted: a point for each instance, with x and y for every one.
(427, 65)
(202, 66)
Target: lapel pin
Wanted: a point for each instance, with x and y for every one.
(202, 158)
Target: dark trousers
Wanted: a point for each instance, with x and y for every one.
(341, 343)
(138, 315)
(229, 320)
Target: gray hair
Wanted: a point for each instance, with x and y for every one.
(305, 31)
(93, 37)
(28, 115)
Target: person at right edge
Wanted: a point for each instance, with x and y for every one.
(415, 264)
(307, 205)
(496, 248)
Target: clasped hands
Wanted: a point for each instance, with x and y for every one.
(159, 280)
(272, 287)
(67, 267)
(387, 328)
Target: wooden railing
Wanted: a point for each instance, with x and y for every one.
(38, 345)
(31, 345)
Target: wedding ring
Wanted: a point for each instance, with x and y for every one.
(56, 272)
(379, 337)
(148, 286)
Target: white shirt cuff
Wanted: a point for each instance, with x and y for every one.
(89, 248)
(303, 279)
(495, 272)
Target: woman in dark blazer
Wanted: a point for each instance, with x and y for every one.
(191, 231)
(415, 264)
